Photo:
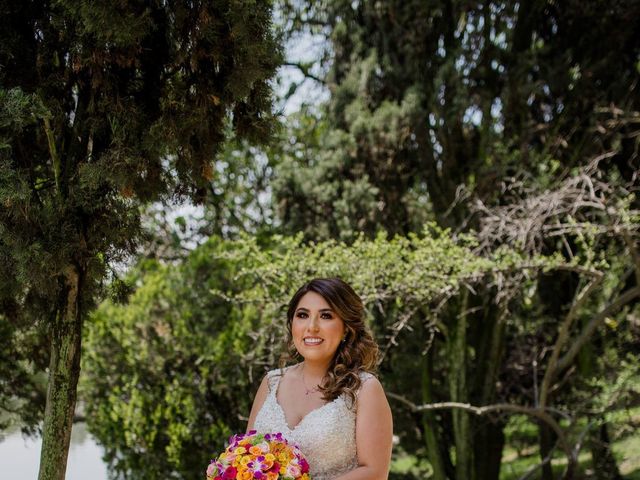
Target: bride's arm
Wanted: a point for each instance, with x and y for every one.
(374, 434)
(258, 401)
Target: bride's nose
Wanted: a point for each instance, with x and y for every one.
(314, 323)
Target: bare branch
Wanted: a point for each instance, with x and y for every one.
(580, 202)
(563, 335)
(305, 69)
(541, 414)
(594, 323)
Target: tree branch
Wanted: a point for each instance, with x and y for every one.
(305, 70)
(538, 413)
(594, 323)
(563, 335)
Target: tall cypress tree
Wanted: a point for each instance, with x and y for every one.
(105, 106)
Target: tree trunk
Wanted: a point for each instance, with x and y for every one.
(64, 370)
(429, 421)
(604, 463)
(490, 442)
(546, 439)
(459, 393)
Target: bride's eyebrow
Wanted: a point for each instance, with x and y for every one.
(322, 310)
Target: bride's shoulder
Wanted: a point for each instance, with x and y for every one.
(371, 391)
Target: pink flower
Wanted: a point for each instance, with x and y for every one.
(293, 471)
(212, 470)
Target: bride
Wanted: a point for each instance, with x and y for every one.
(329, 404)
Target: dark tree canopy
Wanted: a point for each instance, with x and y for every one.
(105, 106)
(430, 96)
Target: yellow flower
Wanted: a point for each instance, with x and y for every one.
(245, 460)
(240, 451)
(270, 457)
(283, 470)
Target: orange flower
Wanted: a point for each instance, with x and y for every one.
(244, 475)
(255, 450)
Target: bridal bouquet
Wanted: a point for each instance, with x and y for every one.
(252, 456)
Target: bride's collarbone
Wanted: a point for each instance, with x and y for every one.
(297, 403)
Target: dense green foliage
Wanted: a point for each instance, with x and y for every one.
(516, 122)
(428, 96)
(171, 373)
(503, 117)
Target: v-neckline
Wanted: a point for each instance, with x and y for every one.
(284, 415)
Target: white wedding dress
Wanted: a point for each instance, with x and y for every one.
(326, 435)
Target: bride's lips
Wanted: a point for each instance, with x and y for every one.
(312, 341)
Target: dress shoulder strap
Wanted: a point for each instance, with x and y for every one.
(273, 378)
(364, 376)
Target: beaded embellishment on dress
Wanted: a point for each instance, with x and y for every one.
(326, 435)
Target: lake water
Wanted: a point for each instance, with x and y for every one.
(20, 457)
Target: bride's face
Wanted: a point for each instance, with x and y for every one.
(317, 330)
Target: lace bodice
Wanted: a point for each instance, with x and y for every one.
(326, 435)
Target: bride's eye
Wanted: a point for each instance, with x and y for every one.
(327, 316)
(301, 315)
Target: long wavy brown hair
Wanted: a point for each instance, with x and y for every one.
(357, 353)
